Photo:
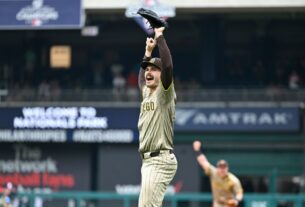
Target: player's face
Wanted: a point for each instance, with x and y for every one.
(152, 76)
(222, 170)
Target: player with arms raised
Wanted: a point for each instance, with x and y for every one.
(156, 121)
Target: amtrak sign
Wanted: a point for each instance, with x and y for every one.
(237, 120)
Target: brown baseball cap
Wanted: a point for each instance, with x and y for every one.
(222, 163)
(154, 62)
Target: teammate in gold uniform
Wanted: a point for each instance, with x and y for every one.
(226, 188)
(156, 121)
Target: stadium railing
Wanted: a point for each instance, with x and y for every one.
(184, 95)
(250, 200)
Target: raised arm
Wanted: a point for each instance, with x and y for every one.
(201, 158)
(141, 77)
(150, 45)
(166, 58)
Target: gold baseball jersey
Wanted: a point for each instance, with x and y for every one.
(223, 188)
(156, 119)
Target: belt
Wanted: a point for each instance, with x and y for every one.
(221, 202)
(147, 155)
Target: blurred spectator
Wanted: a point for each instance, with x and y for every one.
(192, 87)
(235, 72)
(116, 69)
(132, 86)
(274, 91)
(55, 91)
(38, 202)
(112, 65)
(279, 75)
(14, 93)
(26, 92)
(98, 74)
(44, 91)
(119, 84)
(30, 60)
(294, 80)
(132, 79)
(193, 84)
(5, 72)
(178, 83)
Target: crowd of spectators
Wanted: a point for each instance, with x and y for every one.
(282, 74)
(122, 81)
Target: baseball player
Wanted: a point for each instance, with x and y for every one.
(156, 120)
(226, 188)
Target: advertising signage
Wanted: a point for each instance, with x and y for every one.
(119, 125)
(44, 169)
(68, 124)
(261, 119)
(41, 14)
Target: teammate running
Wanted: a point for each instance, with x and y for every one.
(156, 121)
(226, 188)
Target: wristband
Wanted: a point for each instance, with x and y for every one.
(198, 153)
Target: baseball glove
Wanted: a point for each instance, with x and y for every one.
(154, 20)
(232, 203)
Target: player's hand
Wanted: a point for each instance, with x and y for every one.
(159, 31)
(232, 203)
(196, 146)
(150, 44)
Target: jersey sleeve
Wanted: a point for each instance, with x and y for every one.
(237, 188)
(167, 63)
(166, 95)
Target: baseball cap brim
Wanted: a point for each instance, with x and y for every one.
(222, 163)
(144, 64)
